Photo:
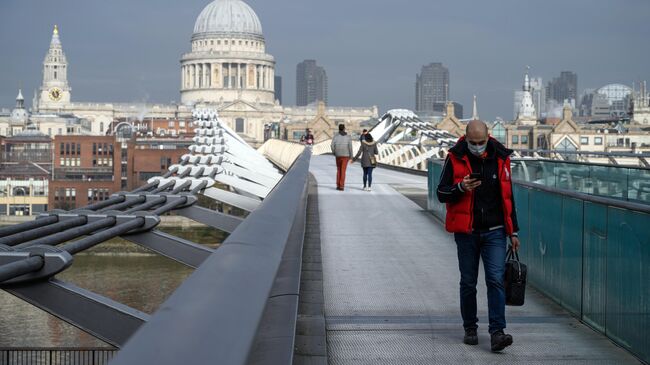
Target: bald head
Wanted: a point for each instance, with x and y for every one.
(476, 132)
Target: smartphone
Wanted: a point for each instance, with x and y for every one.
(475, 175)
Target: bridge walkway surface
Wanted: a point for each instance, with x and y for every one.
(390, 286)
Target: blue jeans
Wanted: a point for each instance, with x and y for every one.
(491, 246)
(367, 176)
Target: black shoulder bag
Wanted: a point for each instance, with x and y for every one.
(515, 279)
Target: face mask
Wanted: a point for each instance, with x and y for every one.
(477, 150)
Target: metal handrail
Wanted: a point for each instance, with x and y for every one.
(615, 203)
(578, 195)
(238, 285)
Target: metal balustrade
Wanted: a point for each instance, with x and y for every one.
(589, 253)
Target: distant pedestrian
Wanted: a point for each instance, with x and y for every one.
(368, 152)
(362, 136)
(476, 185)
(342, 150)
(309, 138)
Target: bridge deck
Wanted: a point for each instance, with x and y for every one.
(390, 281)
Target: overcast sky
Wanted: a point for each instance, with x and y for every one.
(129, 51)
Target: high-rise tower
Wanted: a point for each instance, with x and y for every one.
(432, 88)
(311, 83)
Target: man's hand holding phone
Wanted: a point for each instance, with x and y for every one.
(471, 181)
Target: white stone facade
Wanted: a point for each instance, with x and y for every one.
(227, 69)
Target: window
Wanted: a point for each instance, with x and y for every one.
(499, 133)
(49, 132)
(515, 139)
(584, 140)
(165, 162)
(297, 135)
(239, 125)
(598, 141)
(101, 127)
(566, 145)
(60, 131)
(524, 139)
(39, 208)
(95, 195)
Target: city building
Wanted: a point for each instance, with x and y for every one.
(432, 88)
(527, 114)
(88, 169)
(451, 122)
(323, 125)
(641, 105)
(25, 167)
(458, 110)
(611, 101)
(277, 87)
(538, 95)
(311, 83)
(227, 68)
(564, 87)
(594, 105)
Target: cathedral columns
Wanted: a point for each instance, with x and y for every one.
(206, 75)
(263, 78)
(229, 76)
(209, 75)
(238, 83)
(193, 76)
(215, 67)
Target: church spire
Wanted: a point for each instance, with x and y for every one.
(20, 100)
(526, 80)
(527, 114)
(54, 87)
(475, 110)
(56, 42)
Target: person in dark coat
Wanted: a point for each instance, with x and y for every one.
(368, 152)
(476, 185)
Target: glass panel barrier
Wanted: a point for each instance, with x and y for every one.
(589, 253)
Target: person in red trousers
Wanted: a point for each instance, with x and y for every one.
(342, 150)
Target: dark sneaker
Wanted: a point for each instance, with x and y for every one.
(500, 341)
(471, 338)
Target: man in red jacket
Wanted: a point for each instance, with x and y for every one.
(476, 185)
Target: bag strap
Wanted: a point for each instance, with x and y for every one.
(511, 254)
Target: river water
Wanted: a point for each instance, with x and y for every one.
(138, 278)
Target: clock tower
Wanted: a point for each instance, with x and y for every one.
(55, 91)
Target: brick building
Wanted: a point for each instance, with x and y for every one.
(88, 169)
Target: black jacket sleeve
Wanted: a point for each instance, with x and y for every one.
(447, 191)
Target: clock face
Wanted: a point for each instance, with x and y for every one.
(55, 94)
